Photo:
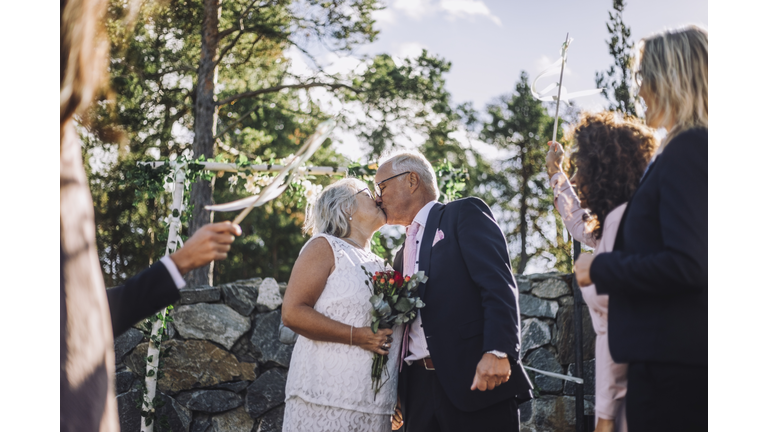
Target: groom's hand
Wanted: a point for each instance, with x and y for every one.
(491, 372)
(209, 243)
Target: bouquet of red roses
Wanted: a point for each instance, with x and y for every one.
(395, 301)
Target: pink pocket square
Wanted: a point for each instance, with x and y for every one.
(438, 236)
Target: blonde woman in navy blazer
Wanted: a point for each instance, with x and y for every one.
(656, 275)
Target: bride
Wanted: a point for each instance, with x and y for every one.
(326, 303)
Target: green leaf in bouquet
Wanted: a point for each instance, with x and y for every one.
(403, 305)
(419, 304)
(375, 326)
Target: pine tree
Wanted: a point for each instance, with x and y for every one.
(617, 79)
(520, 126)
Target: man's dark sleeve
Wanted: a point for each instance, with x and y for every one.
(681, 267)
(140, 297)
(484, 250)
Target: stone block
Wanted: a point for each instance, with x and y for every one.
(199, 294)
(544, 360)
(526, 411)
(192, 364)
(273, 420)
(531, 306)
(554, 413)
(241, 295)
(129, 415)
(201, 424)
(565, 340)
(235, 387)
(523, 283)
(266, 393)
(215, 322)
(236, 420)
(269, 297)
(266, 342)
(124, 381)
(535, 333)
(210, 401)
(551, 288)
(126, 342)
(589, 379)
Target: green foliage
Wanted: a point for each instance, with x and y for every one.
(618, 77)
(519, 126)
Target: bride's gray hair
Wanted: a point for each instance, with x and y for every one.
(331, 212)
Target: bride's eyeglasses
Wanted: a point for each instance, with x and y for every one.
(367, 192)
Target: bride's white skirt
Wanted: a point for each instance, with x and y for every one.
(303, 416)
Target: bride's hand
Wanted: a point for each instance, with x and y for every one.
(397, 417)
(378, 342)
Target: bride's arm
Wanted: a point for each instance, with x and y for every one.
(308, 278)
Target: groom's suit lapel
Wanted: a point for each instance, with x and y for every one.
(425, 251)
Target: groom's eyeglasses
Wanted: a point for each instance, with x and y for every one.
(378, 185)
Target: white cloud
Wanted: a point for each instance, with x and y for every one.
(413, 8)
(465, 8)
(454, 9)
(409, 50)
(384, 17)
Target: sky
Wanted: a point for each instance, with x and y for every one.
(490, 42)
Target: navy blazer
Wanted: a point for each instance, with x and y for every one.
(141, 296)
(471, 302)
(656, 275)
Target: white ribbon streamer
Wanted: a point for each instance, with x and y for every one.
(281, 181)
(556, 375)
(554, 69)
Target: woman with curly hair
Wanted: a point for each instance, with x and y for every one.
(612, 153)
(656, 275)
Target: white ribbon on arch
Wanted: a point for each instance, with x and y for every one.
(281, 181)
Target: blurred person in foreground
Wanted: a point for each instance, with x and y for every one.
(611, 156)
(656, 275)
(87, 363)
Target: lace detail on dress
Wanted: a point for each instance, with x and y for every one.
(339, 375)
(303, 416)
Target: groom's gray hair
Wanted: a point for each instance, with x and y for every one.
(413, 161)
(331, 212)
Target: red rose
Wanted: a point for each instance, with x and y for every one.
(398, 279)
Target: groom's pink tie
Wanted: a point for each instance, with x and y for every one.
(409, 265)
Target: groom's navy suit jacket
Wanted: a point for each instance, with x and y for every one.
(471, 302)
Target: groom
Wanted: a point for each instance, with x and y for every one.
(461, 368)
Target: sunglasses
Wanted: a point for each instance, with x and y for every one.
(377, 186)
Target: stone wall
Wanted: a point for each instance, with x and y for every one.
(226, 368)
(547, 313)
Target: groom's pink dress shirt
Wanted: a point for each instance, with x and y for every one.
(610, 377)
(417, 342)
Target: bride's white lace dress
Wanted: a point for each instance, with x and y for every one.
(329, 384)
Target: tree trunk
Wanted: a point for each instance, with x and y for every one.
(205, 128)
(525, 192)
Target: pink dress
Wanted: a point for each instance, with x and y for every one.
(610, 377)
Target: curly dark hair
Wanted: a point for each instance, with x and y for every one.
(611, 155)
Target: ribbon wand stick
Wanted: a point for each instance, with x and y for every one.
(560, 87)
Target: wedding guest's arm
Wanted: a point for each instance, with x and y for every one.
(484, 249)
(682, 266)
(566, 201)
(158, 286)
(306, 284)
